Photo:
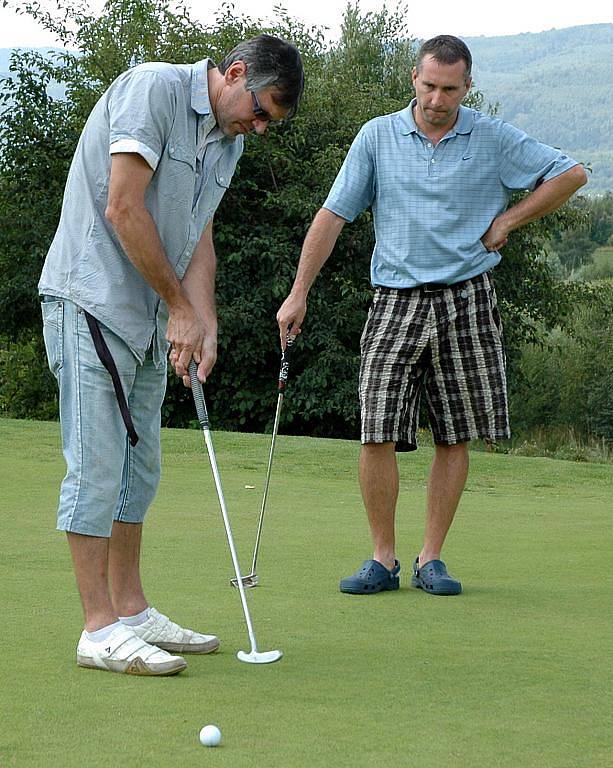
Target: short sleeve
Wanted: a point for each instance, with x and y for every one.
(525, 161)
(354, 188)
(141, 108)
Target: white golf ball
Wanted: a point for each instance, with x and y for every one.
(210, 736)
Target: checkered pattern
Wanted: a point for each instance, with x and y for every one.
(431, 203)
(448, 343)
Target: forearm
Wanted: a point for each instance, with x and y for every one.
(318, 245)
(141, 242)
(545, 199)
(199, 281)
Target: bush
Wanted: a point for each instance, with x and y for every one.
(27, 387)
(567, 381)
(561, 443)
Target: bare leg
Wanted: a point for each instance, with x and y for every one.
(445, 485)
(90, 556)
(124, 569)
(379, 486)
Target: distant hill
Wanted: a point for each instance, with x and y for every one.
(556, 85)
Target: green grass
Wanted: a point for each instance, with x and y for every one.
(516, 672)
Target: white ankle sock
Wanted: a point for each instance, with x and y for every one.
(100, 635)
(133, 621)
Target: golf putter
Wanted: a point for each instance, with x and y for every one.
(251, 579)
(254, 656)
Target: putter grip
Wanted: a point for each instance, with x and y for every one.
(197, 392)
(285, 358)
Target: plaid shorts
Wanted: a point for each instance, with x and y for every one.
(447, 342)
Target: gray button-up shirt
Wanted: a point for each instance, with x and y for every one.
(163, 113)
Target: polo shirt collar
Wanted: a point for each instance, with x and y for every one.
(464, 123)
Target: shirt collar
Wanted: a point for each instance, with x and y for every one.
(464, 123)
(200, 86)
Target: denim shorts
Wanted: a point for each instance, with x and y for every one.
(447, 343)
(107, 479)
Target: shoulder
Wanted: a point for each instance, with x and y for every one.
(383, 124)
(379, 130)
(153, 76)
(490, 125)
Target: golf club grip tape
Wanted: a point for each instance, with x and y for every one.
(285, 358)
(198, 394)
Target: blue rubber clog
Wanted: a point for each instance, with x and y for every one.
(433, 578)
(371, 578)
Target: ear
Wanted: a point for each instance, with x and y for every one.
(468, 84)
(414, 75)
(235, 71)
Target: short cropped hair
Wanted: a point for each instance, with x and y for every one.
(445, 49)
(271, 62)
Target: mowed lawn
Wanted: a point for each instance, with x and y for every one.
(515, 672)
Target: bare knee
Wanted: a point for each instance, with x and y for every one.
(452, 454)
(378, 449)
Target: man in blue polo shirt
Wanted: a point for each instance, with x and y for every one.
(131, 270)
(438, 177)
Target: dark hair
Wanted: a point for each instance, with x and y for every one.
(445, 49)
(271, 62)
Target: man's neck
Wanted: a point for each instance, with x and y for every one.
(434, 132)
(215, 82)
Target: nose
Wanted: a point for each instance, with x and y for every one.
(436, 98)
(259, 125)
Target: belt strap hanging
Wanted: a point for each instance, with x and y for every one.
(104, 353)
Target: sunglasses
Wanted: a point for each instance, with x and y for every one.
(260, 112)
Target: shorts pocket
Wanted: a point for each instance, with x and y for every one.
(121, 353)
(53, 332)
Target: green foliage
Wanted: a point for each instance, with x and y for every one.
(600, 267)
(574, 248)
(27, 387)
(568, 380)
(281, 182)
(564, 443)
(37, 137)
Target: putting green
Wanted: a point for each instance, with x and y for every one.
(515, 672)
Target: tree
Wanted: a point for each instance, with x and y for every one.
(281, 182)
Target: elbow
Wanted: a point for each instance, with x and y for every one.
(579, 176)
(115, 212)
(119, 210)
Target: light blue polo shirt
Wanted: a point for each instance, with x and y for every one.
(163, 113)
(432, 204)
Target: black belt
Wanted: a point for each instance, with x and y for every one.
(425, 288)
(435, 287)
(106, 358)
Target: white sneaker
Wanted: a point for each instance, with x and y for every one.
(123, 651)
(161, 631)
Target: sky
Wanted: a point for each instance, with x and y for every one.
(480, 17)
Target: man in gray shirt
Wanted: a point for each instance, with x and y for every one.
(131, 270)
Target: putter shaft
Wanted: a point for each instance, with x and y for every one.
(203, 418)
(267, 483)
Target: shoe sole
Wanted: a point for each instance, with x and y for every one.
(134, 667)
(209, 647)
(417, 585)
(360, 590)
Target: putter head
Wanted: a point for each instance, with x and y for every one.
(251, 580)
(259, 657)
